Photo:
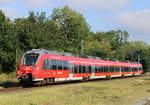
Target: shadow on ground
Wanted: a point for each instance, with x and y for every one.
(148, 90)
(147, 79)
(9, 84)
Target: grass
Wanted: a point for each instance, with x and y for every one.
(110, 92)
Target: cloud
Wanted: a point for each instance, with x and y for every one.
(36, 3)
(6, 1)
(137, 21)
(9, 12)
(97, 4)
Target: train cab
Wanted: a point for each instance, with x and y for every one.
(28, 66)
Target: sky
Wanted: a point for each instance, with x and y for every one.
(132, 16)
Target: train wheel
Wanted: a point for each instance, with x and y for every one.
(88, 78)
(85, 78)
(47, 81)
(50, 81)
(44, 82)
(108, 77)
(123, 76)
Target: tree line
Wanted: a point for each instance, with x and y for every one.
(64, 30)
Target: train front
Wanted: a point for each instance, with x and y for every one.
(28, 67)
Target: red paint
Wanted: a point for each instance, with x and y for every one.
(41, 74)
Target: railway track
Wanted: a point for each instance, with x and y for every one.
(19, 87)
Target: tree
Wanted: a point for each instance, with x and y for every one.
(74, 28)
(98, 45)
(108, 44)
(30, 30)
(138, 49)
(118, 38)
(65, 30)
(7, 44)
(38, 31)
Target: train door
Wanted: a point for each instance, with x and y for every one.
(63, 69)
(71, 71)
(93, 71)
(120, 71)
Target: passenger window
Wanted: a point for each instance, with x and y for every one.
(118, 69)
(102, 69)
(44, 67)
(99, 69)
(106, 68)
(80, 69)
(96, 69)
(89, 69)
(84, 69)
(59, 63)
(110, 69)
(54, 64)
(65, 65)
(75, 68)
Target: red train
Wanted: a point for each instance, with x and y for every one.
(50, 66)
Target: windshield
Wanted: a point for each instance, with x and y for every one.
(30, 59)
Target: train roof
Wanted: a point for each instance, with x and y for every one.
(43, 51)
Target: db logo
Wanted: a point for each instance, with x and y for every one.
(27, 68)
(59, 72)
